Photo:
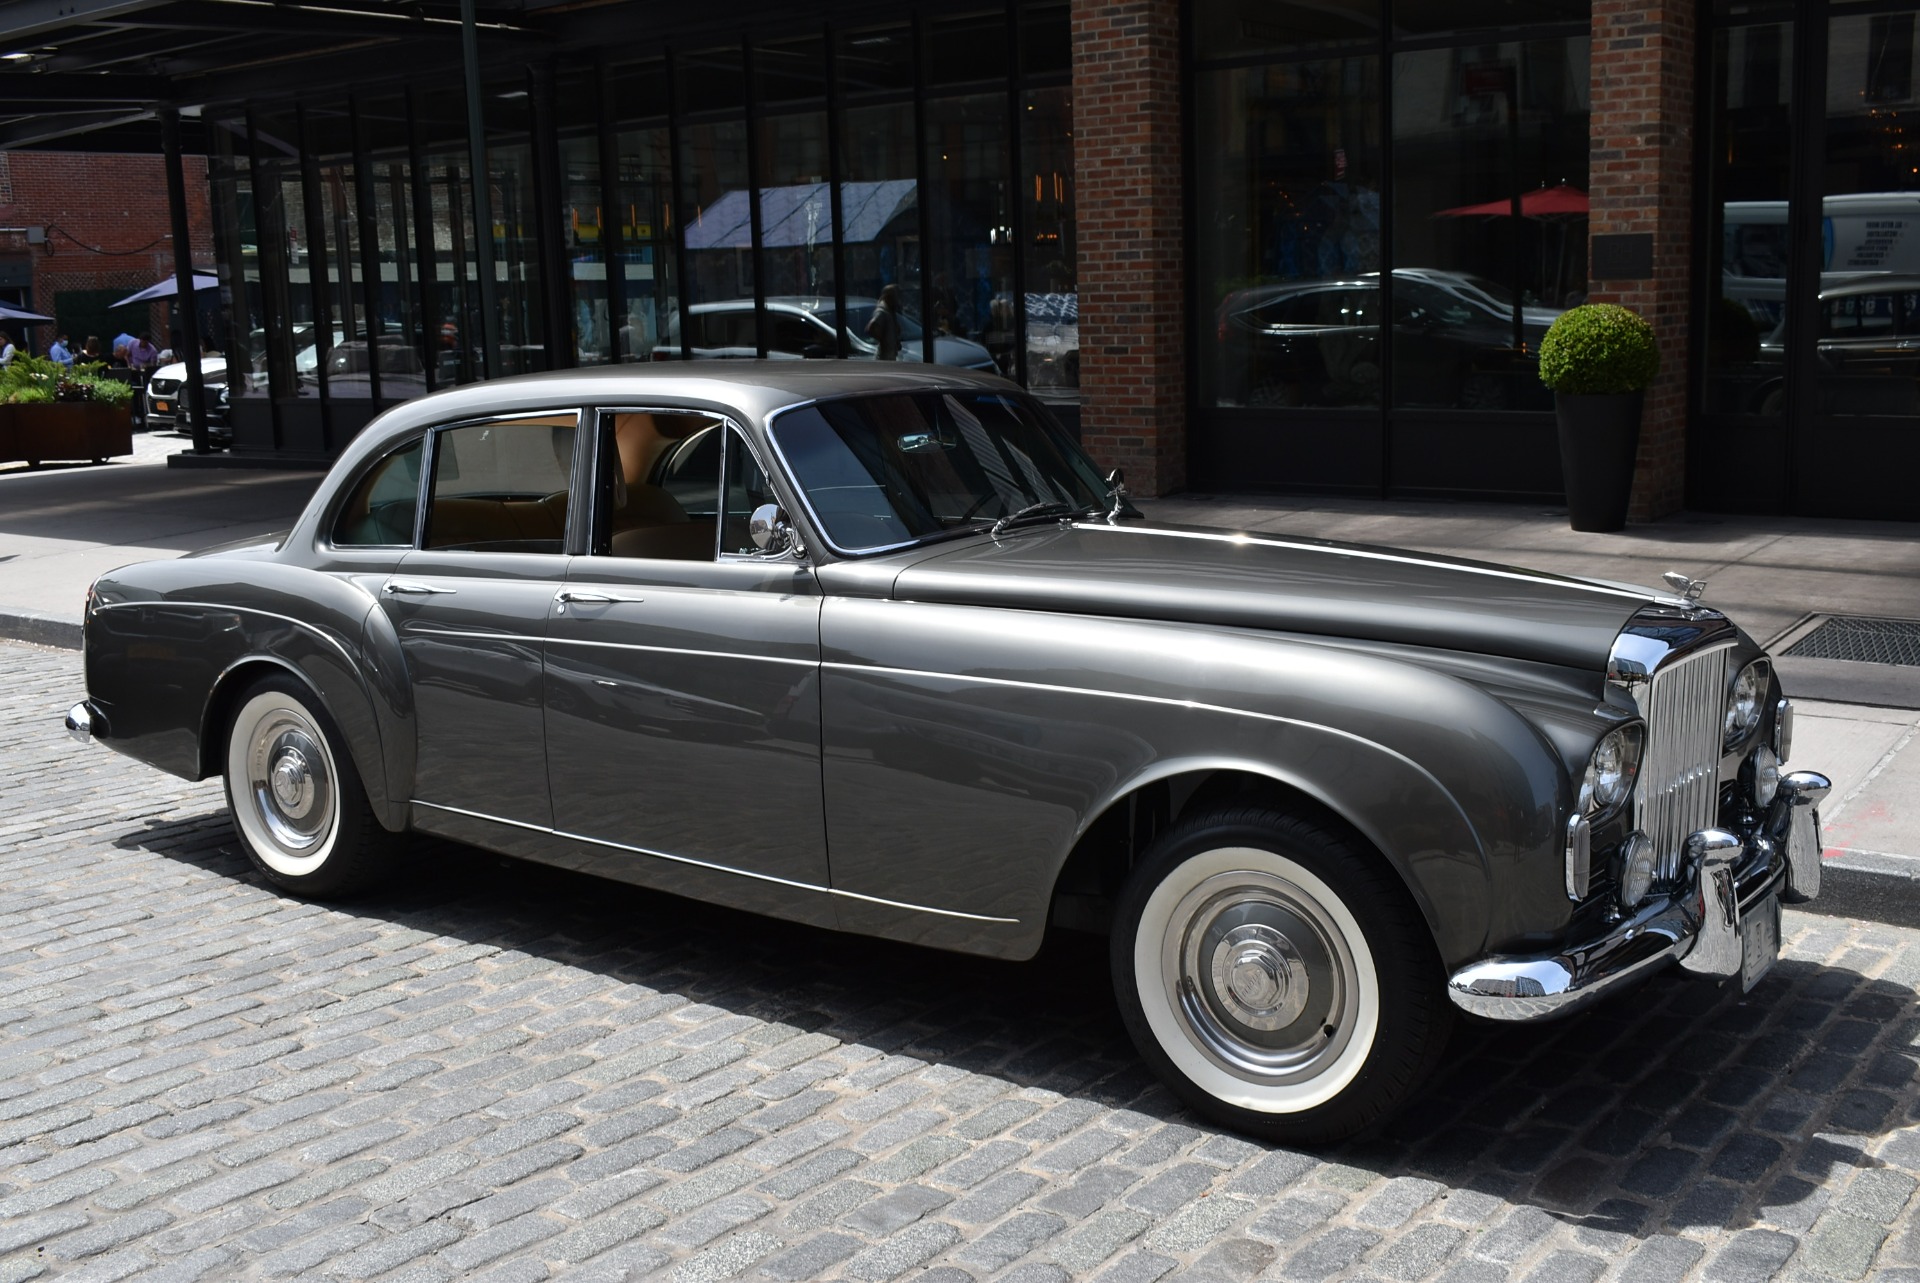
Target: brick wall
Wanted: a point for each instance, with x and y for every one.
(1642, 181)
(1127, 176)
(98, 202)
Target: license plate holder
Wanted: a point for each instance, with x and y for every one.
(1759, 942)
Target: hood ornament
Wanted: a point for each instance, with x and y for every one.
(1691, 589)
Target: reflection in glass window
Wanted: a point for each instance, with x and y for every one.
(718, 188)
(970, 255)
(1288, 241)
(1237, 28)
(1749, 186)
(1053, 297)
(1477, 130)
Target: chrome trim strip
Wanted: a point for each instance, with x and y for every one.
(526, 639)
(1163, 701)
(481, 815)
(719, 868)
(301, 624)
(1404, 559)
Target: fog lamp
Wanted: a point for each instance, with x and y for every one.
(1635, 878)
(1783, 730)
(1763, 775)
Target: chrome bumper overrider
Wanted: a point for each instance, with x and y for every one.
(1697, 926)
(80, 719)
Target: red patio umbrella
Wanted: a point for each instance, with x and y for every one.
(1541, 202)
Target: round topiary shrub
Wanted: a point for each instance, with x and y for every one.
(1599, 349)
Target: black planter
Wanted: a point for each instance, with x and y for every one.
(1599, 437)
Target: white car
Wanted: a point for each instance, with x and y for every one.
(166, 396)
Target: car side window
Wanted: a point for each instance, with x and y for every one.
(379, 512)
(659, 485)
(502, 486)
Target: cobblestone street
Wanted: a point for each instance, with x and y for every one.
(502, 1072)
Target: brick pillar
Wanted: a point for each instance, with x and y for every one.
(1128, 192)
(1642, 181)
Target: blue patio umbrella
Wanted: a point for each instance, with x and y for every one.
(167, 289)
(10, 313)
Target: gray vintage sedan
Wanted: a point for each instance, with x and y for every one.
(877, 649)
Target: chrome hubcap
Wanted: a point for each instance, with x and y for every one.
(1261, 976)
(288, 779)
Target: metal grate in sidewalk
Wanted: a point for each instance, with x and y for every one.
(1862, 640)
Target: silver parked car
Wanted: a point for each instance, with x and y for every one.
(875, 648)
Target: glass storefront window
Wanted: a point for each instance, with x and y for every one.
(1747, 247)
(879, 188)
(1866, 339)
(1287, 245)
(642, 218)
(454, 323)
(1239, 28)
(970, 248)
(1474, 289)
(236, 231)
(717, 195)
(1053, 297)
(516, 252)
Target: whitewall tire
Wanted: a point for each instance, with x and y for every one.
(1277, 974)
(296, 799)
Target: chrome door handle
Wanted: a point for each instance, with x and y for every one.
(408, 589)
(566, 595)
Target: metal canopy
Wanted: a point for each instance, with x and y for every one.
(74, 68)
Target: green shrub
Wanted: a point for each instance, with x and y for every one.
(35, 380)
(1599, 348)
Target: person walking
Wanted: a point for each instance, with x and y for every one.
(61, 352)
(883, 327)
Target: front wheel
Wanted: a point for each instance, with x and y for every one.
(297, 802)
(1277, 975)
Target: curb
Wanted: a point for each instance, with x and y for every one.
(41, 630)
(1878, 888)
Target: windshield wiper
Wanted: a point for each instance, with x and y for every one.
(1045, 508)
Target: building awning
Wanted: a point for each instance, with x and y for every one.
(801, 215)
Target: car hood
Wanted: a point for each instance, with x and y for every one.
(1204, 576)
(209, 366)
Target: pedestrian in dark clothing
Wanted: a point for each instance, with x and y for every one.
(883, 327)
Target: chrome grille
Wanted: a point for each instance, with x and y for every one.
(1678, 793)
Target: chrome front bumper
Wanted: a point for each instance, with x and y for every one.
(1697, 925)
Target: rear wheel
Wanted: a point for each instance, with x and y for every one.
(1277, 975)
(297, 802)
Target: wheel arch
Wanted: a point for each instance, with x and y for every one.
(335, 691)
(1114, 835)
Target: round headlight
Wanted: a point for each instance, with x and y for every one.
(1611, 769)
(1763, 770)
(1635, 878)
(1745, 702)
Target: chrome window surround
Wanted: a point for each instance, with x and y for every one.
(1671, 662)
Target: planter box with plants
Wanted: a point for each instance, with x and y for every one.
(50, 412)
(1599, 359)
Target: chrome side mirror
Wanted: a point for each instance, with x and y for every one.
(770, 530)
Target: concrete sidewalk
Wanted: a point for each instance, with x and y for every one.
(59, 528)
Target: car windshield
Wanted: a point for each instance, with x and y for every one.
(883, 471)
